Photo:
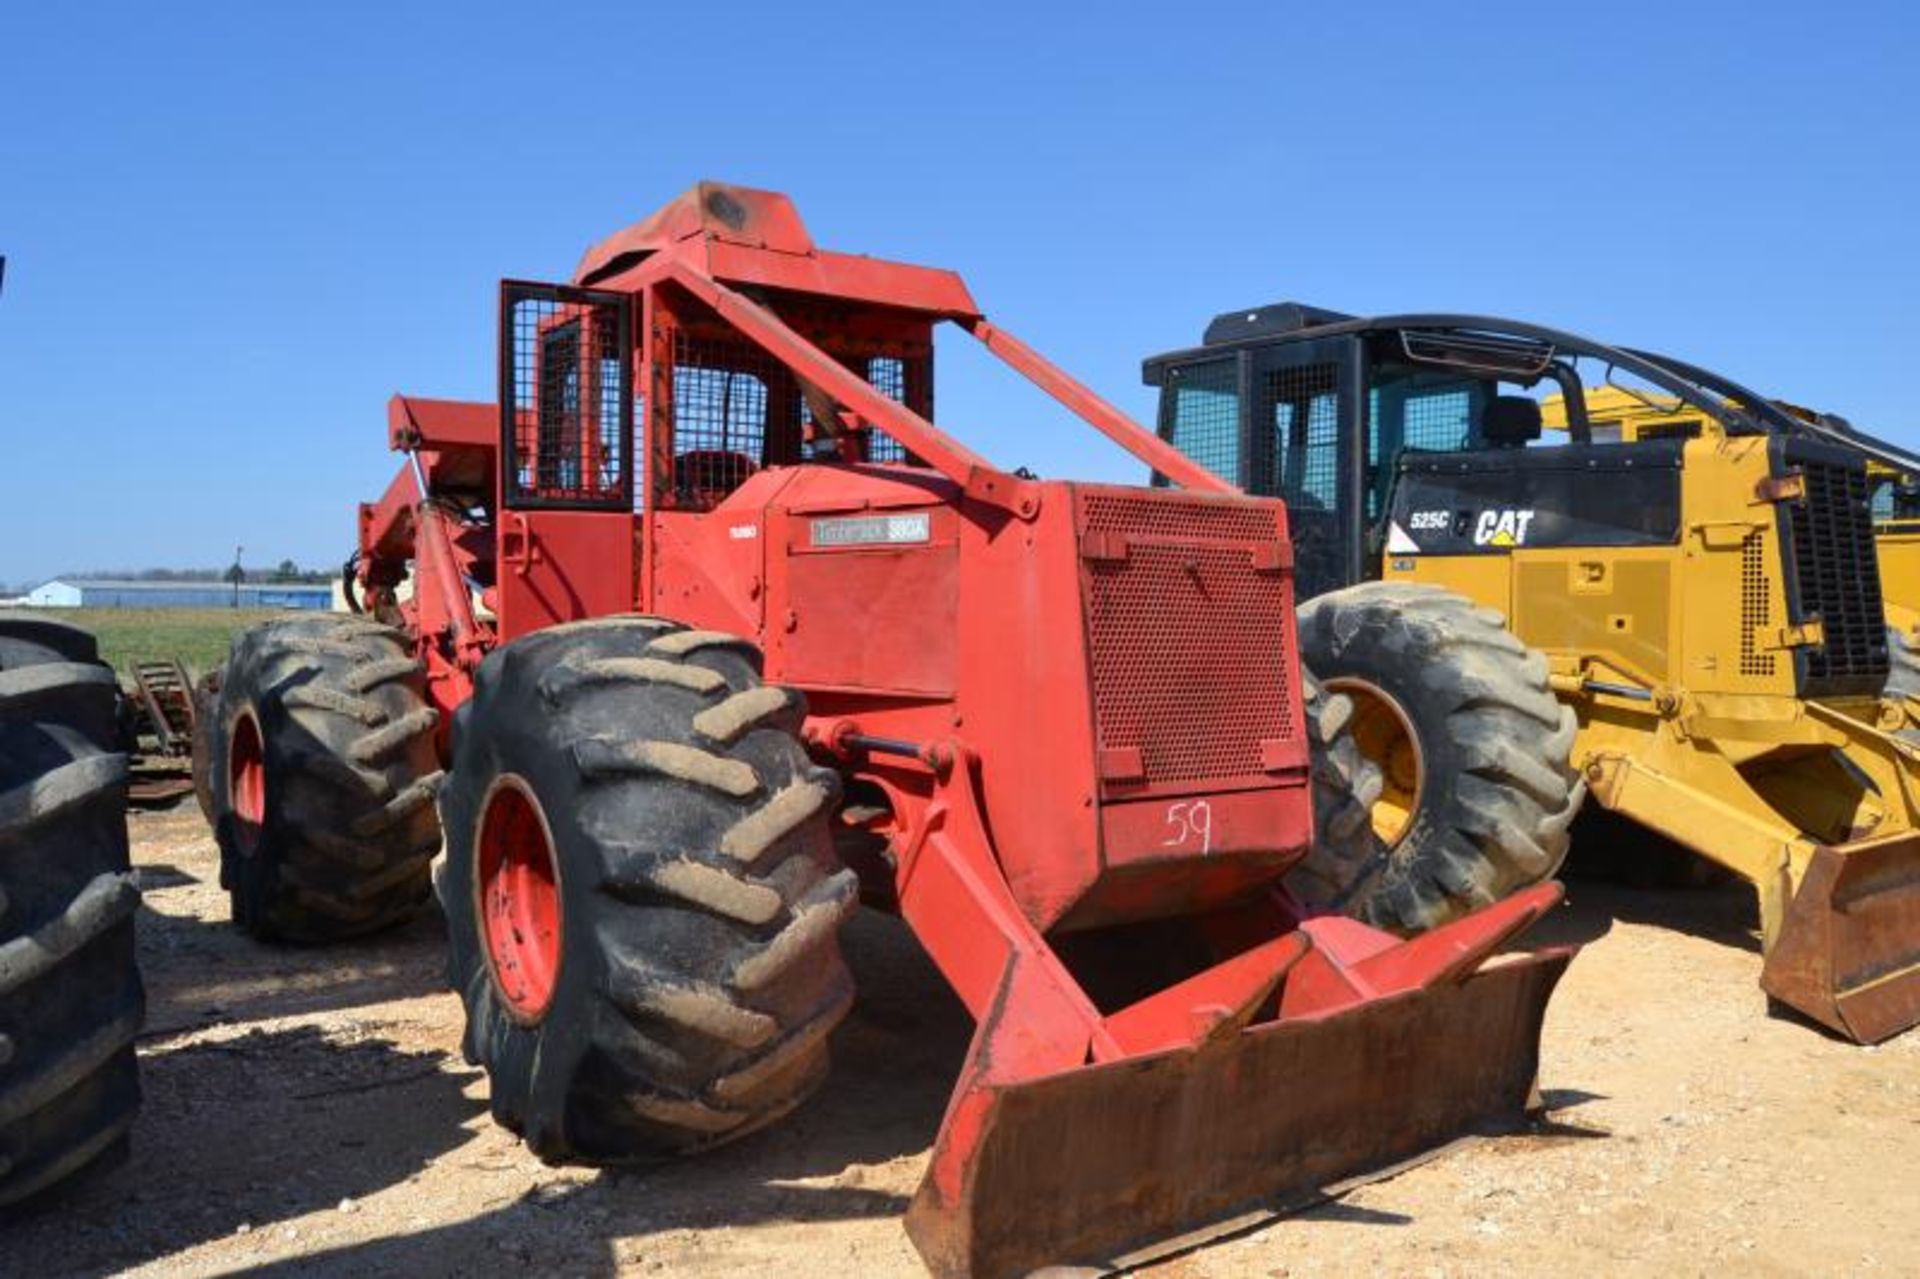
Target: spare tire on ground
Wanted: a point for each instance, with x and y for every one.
(1476, 790)
(71, 1000)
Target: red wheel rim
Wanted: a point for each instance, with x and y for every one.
(247, 781)
(519, 883)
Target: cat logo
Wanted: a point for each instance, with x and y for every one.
(1502, 528)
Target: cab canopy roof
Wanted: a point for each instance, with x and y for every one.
(740, 235)
(1489, 342)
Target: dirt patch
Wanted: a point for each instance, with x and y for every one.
(308, 1112)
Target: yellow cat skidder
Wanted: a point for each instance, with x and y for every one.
(1703, 608)
(1893, 476)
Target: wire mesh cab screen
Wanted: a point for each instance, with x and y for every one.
(566, 397)
(735, 408)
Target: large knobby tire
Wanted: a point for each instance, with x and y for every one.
(1347, 857)
(323, 771)
(1479, 789)
(70, 995)
(677, 987)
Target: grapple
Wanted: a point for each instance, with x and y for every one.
(1847, 949)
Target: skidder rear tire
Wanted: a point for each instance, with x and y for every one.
(1479, 789)
(70, 994)
(641, 891)
(323, 774)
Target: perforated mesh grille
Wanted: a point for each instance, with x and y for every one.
(1140, 516)
(566, 368)
(1685, 429)
(1188, 643)
(1756, 605)
(1202, 415)
(1838, 572)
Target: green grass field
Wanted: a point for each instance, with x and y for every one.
(197, 636)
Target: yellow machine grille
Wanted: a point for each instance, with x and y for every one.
(1756, 605)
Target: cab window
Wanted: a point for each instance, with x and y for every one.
(1201, 415)
(1416, 412)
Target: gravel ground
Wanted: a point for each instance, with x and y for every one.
(308, 1113)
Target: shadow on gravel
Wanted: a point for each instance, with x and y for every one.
(207, 973)
(202, 971)
(895, 1060)
(1622, 872)
(157, 875)
(250, 1131)
(1726, 914)
(582, 1230)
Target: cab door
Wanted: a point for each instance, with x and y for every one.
(1304, 407)
(566, 524)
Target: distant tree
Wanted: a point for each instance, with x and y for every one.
(287, 571)
(147, 575)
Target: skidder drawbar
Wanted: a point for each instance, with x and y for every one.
(725, 636)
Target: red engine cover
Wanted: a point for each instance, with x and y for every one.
(1122, 666)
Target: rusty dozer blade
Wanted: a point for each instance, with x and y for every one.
(1848, 950)
(1381, 1049)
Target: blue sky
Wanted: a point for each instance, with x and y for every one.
(233, 231)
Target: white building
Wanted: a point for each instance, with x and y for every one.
(112, 593)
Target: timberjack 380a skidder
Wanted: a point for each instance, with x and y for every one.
(1059, 726)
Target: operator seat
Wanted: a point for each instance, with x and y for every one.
(704, 477)
(1510, 422)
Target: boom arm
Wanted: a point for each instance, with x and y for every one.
(978, 477)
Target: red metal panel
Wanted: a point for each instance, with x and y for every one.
(1217, 825)
(852, 279)
(882, 619)
(415, 422)
(560, 566)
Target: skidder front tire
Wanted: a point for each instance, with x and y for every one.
(1347, 857)
(323, 770)
(1478, 788)
(641, 891)
(70, 994)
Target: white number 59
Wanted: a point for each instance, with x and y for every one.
(1190, 820)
